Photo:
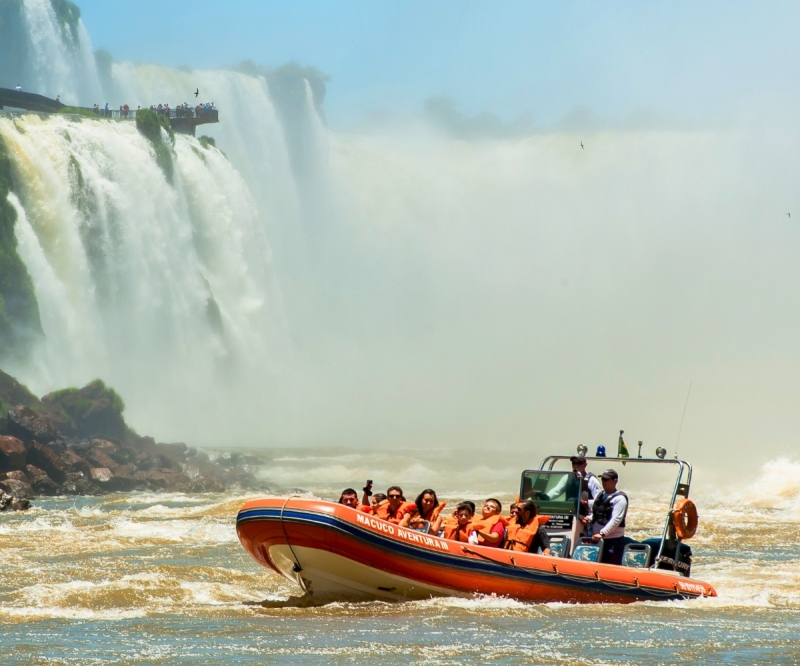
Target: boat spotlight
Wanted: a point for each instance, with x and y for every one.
(582, 449)
(661, 452)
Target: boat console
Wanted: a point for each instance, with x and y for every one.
(562, 495)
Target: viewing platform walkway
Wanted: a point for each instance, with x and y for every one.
(183, 121)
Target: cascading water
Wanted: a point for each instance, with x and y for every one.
(44, 47)
(158, 288)
(399, 285)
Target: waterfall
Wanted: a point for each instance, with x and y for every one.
(395, 285)
(162, 290)
(47, 52)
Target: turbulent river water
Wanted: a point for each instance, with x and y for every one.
(148, 578)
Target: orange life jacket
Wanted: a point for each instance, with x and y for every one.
(453, 531)
(384, 511)
(520, 537)
(486, 524)
(365, 508)
(434, 514)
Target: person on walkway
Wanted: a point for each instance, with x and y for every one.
(609, 510)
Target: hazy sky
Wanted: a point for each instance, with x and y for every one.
(689, 59)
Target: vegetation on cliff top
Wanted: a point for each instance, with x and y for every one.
(78, 111)
(150, 124)
(20, 324)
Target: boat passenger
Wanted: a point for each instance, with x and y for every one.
(349, 497)
(458, 527)
(490, 528)
(377, 498)
(527, 533)
(427, 507)
(609, 510)
(395, 507)
(513, 511)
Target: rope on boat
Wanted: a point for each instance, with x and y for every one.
(296, 568)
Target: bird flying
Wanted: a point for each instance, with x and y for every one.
(582, 148)
(197, 92)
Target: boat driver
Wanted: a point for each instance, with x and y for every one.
(568, 485)
(609, 510)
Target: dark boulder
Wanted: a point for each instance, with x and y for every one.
(99, 458)
(12, 453)
(157, 480)
(41, 483)
(94, 410)
(78, 483)
(16, 474)
(241, 478)
(17, 488)
(27, 425)
(46, 458)
(74, 462)
(207, 484)
(11, 503)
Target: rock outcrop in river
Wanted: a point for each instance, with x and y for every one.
(76, 442)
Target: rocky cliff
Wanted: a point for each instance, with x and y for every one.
(76, 442)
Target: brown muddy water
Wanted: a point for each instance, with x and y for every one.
(162, 579)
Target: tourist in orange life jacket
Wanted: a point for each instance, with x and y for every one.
(527, 534)
(513, 511)
(395, 507)
(490, 528)
(427, 508)
(376, 499)
(459, 526)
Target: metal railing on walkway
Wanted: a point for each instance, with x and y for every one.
(208, 115)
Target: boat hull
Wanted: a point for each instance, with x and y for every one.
(332, 550)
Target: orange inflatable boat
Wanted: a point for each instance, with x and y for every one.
(331, 550)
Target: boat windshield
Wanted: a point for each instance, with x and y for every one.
(555, 493)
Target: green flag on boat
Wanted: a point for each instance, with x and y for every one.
(622, 450)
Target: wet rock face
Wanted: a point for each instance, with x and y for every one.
(16, 488)
(76, 442)
(26, 425)
(93, 410)
(11, 503)
(12, 453)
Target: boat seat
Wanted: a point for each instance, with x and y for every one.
(636, 555)
(560, 545)
(588, 551)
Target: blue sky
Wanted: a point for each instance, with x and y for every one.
(686, 59)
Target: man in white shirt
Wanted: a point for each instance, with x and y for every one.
(609, 510)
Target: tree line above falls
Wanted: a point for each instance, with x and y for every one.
(76, 442)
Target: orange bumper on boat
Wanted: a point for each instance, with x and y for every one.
(331, 549)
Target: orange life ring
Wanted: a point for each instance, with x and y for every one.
(684, 518)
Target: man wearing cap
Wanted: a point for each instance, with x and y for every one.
(609, 509)
(569, 485)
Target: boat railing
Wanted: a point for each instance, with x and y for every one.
(681, 488)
